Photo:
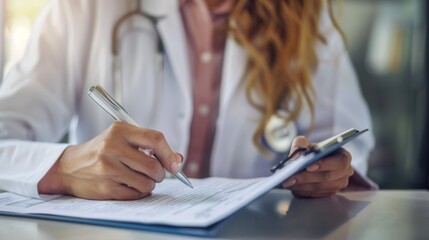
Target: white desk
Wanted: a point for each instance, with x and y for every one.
(277, 215)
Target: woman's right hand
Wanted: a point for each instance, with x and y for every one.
(110, 166)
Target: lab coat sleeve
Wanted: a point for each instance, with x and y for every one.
(339, 103)
(37, 102)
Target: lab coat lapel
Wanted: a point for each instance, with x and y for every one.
(233, 70)
(173, 36)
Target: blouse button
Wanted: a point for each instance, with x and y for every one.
(206, 57)
(203, 110)
(193, 167)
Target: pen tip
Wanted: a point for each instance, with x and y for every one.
(189, 184)
(184, 179)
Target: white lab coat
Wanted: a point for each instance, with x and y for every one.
(69, 50)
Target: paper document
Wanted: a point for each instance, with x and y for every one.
(171, 203)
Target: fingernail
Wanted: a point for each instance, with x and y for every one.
(313, 168)
(289, 183)
(179, 158)
(174, 168)
(292, 150)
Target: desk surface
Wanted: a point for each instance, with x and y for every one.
(277, 215)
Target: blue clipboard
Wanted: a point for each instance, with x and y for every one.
(209, 231)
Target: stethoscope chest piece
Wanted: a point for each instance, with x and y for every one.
(278, 135)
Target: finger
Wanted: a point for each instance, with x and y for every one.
(142, 163)
(122, 192)
(155, 140)
(149, 139)
(109, 189)
(299, 141)
(133, 179)
(316, 177)
(322, 187)
(339, 160)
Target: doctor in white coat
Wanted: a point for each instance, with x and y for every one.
(45, 96)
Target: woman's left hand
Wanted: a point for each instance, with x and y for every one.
(323, 178)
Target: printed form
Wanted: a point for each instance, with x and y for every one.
(171, 203)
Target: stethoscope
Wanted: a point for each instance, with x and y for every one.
(147, 11)
(277, 136)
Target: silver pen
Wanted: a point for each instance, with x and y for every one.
(102, 98)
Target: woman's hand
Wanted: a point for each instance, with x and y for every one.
(323, 178)
(110, 166)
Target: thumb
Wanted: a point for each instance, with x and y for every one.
(299, 142)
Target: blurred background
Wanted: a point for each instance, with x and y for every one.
(388, 46)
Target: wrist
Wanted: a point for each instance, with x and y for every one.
(54, 180)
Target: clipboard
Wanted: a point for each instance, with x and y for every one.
(309, 155)
(210, 231)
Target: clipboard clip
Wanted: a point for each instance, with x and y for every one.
(301, 151)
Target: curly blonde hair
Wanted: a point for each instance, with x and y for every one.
(279, 37)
